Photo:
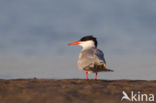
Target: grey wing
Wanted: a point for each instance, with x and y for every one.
(100, 56)
(100, 64)
(90, 57)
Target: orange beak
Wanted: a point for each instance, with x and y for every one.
(74, 43)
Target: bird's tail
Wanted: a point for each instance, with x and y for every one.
(108, 70)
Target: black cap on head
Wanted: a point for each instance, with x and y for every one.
(89, 37)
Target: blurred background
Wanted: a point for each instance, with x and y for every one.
(34, 35)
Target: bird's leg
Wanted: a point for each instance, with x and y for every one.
(95, 76)
(86, 75)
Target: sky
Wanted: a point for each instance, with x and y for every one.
(34, 35)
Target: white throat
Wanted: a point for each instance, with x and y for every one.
(87, 44)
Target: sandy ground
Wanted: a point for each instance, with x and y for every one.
(71, 90)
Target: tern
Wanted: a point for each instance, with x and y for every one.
(91, 59)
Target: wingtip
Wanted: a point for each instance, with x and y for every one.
(109, 70)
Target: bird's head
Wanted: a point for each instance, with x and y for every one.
(86, 42)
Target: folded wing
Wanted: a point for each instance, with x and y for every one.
(92, 60)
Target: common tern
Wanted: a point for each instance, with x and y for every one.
(91, 59)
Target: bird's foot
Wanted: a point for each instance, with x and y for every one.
(94, 79)
(86, 75)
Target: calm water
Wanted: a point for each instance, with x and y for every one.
(34, 37)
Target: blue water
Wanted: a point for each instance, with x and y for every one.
(34, 37)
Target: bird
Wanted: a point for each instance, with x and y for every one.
(91, 59)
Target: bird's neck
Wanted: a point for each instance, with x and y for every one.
(87, 45)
